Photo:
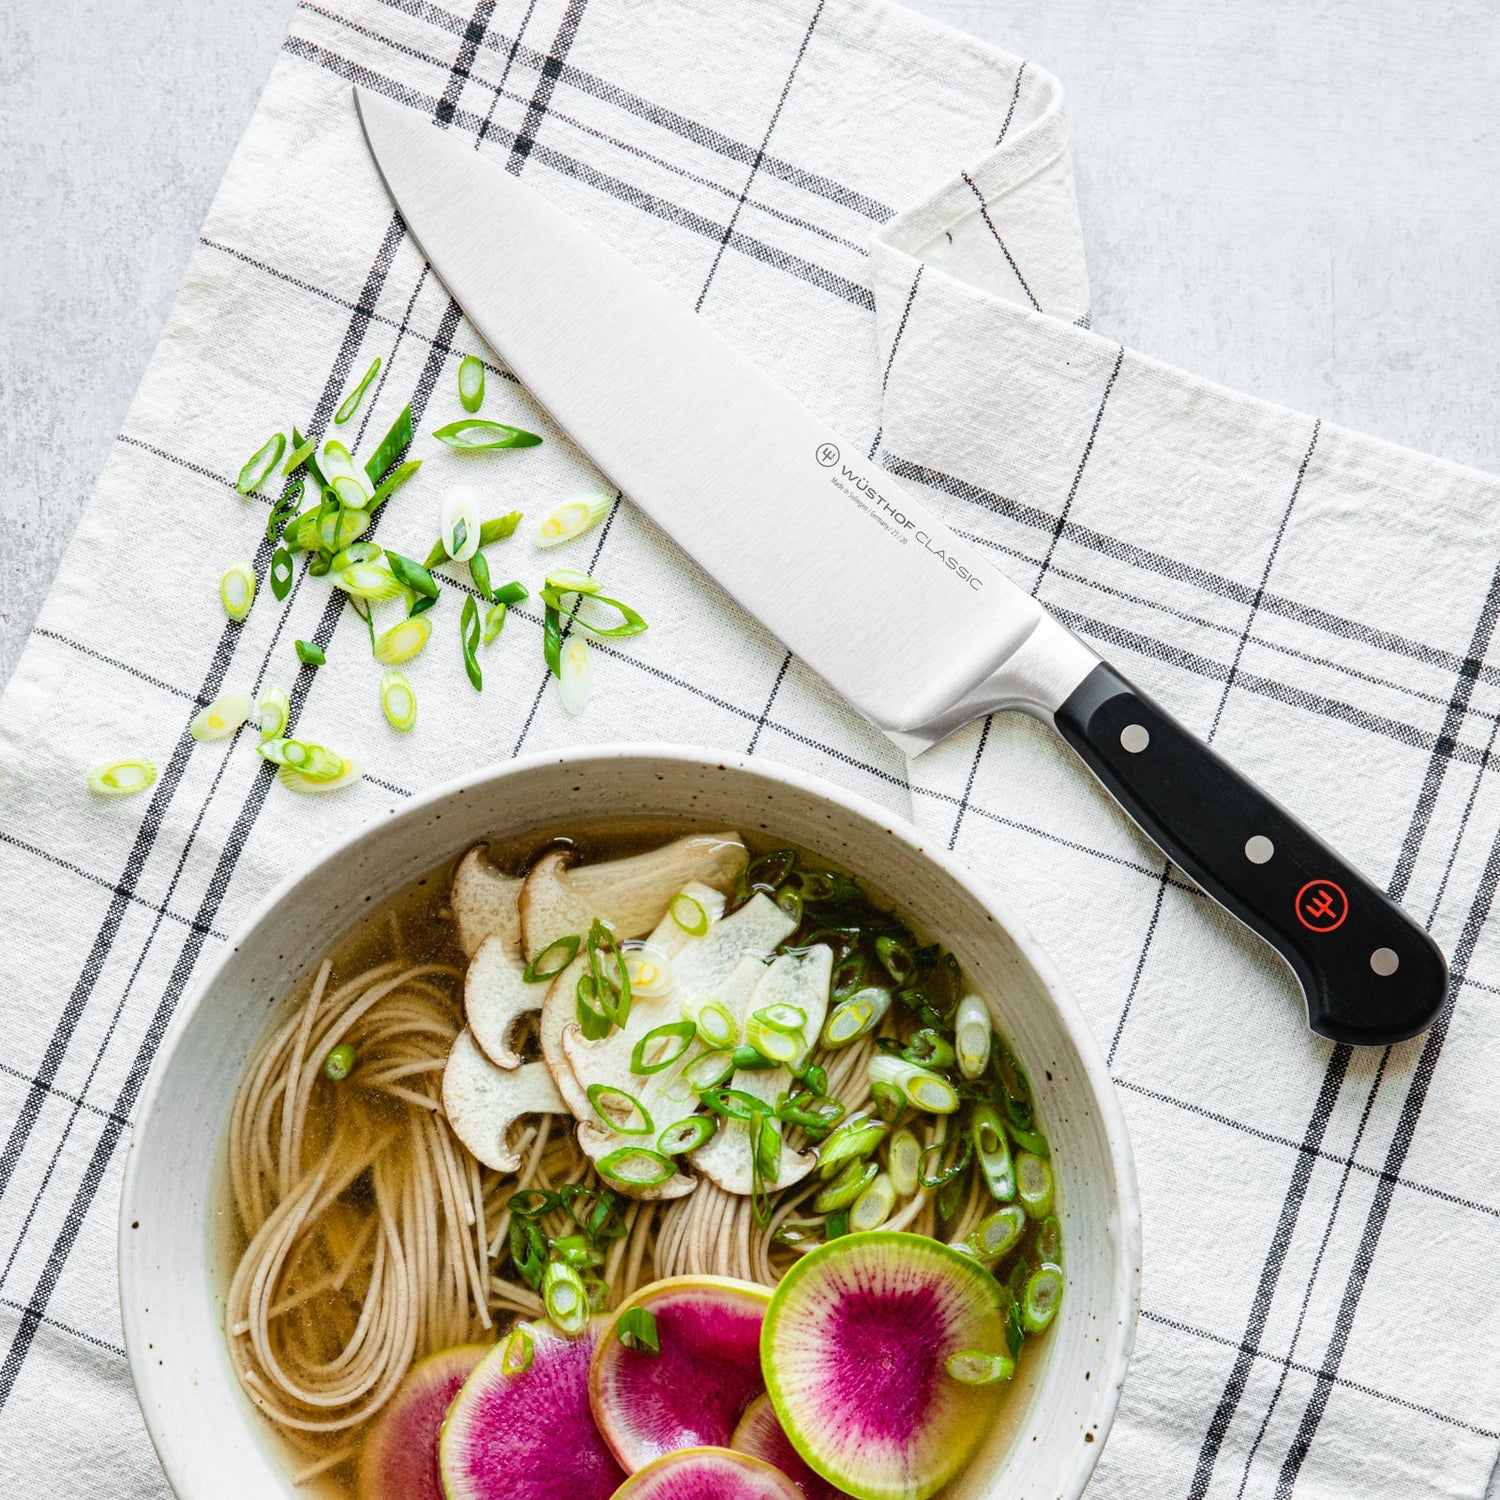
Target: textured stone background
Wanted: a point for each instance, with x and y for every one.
(1298, 198)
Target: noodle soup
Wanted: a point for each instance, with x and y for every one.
(544, 1137)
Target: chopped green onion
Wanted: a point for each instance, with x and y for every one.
(929, 1048)
(903, 1160)
(356, 552)
(613, 1105)
(352, 400)
(687, 1135)
(347, 482)
(792, 1234)
(611, 990)
(816, 1078)
(709, 1069)
(898, 959)
(996, 1236)
(635, 1166)
(1049, 1240)
(222, 717)
(971, 1036)
(873, 1206)
(476, 435)
(1015, 1330)
(975, 1367)
(316, 762)
(402, 641)
(337, 527)
(680, 1032)
(272, 713)
(468, 631)
(515, 1359)
(479, 571)
(497, 530)
(412, 575)
(1013, 1083)
(890, 1102)
(765, 1145)
(782, 1017)
(511, 593)
(494, 621)
(260, 463)
(528, 1251)
(339, 1063)
(575, 674)
(571, 519)
(636, 1329)
(836, 1227)
(299, 456)
(237, 590)
(576, 1250)
(398, 700)
(1034, 1184)
(816, 1116)
(736, 1104)
(367, 580)
(940, 1176)
(397, 477)
(854, 1140)
(565, 1297)
(458, 530)
(552, 640)
(847, 1187)
(542, 968)
(715, 1024)
(122, 778)
(790, 902)
(532, 1203)
(856, 1016)
(471, 382)
(923, 1090)
(389, 449)
(283, 511)
(571, 581)
(748, 1059)
(310, 654)
(772, 1042)
(421, 604)
(1043, 1293)
(630, 624)
(689, 914)
(1029, 1140)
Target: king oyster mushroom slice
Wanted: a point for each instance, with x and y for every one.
(482, 1101)
(630, 894)
(792, 979)
(484, 902)
(496, 996)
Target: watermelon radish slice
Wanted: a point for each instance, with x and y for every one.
(760, 1435)
(854, 1347)
(708, 1474)
(529, 1436)
(692, 1394)
(399, 1460)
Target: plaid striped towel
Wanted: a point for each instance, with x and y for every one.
(881, 212)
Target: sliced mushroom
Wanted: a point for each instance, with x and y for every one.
(496, 996)
(792, 979)
(759, 927)
(559, 1011)
(482, 1101)
(484, 902)
(630, 894)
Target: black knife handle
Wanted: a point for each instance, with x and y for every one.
(1371, 975)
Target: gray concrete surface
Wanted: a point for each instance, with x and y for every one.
(1297, 198)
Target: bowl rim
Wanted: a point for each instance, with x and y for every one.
(1126, 1274)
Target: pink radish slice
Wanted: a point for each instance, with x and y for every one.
(692, 1394)
(399, 1460)
(708, 1474)
(529, 1436)
(760, 1435)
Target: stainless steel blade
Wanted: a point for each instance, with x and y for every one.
(902, 618)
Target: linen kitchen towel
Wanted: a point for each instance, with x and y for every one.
(881, 212)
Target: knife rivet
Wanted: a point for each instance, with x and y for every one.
(1384, 961)
(1259, 849)
(1134, 738)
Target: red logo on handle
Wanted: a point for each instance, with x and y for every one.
(1321, 905)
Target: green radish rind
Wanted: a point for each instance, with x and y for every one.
(399, 1457)
(692, 1473)
(857, 1426)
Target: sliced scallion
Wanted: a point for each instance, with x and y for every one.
(260, 463)
(339, 1063)
(621, 1111)
(367, 580)
(689, 913)
(571, 519)
(402, 641)
(748, 1060)
(709, 1069)
(1049, 1239)
(388, 450)
(237, 590)
(552, 640)
(993, 1150)
(630, 624)
(772, 1042)
(929, 1048)
(122, 778)
(272, 713)
(899, 961)
(1044, 1289)
(715, 1024)
(494, 621)
(553, 959)
(295, 781)
(412, 575)
(971, 1036)
(636, 1329)
(341, 476)
(976, 1367)
(782, 1017)
(890, 1103)
(222, 717)
(735, 1104)
(923, 1090)
(511, 593)
(846, 1187)
(635, 1166)
(350, 403)
(357, 552)
(765, 1145)
(468, 631)
(687, 1135)
(458, 528)
(661, 1047)
(471, 382)
(310, 654)
(857, 1015)
(300, 455)
(515, 1359)
(997, 1235)
(575, 674)
(283, 511)
(477, 435)
(398, 699)
(873, 1206)
(565, 1297)
(1034, 1184)
(572, 581)
(316, 762)
(479, 571)
(854, 1140)
(903, 1160)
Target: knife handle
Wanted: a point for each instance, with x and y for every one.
(1370, 974)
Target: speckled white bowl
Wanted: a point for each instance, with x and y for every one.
(212, 1444)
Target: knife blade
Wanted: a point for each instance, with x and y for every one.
(796, 524)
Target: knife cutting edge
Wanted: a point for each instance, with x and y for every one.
(793, 522)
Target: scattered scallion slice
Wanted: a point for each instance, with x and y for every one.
(847, 1187)
(571, 519)
(553, 959)
(412, 575)
(310, 654)
(478, 435)
(222, 717)
(709, 1069)
(873, 1206)
(122, 778)
(854, 1140)
(748, 1060)
(903, 1160)
(975, 1366)
(388, 450)
(773, 1042)
(615, 1106)
(398, 700)
(479, 571)
(689, 914)
(565, 1297)
(1040, 1301)
(734, 1104)
(636, 1329)
(339, 1063)
(357, 552)
(350, 403)
(296, 781)
(631, 623)
(272, 713)
(930, 1048)
(402, 641)
(923, 1090)
(575, 674)
(552, 640)
(316, 762)
(661, 1047)
(714, 1023)
(259, 465)
(997, 1235)
(635, 1166)
(781, 1017)
(511, 593)
(519, 1348)
(237, 590)
(300, 455)
(283, 511)
(468, 628)
(572, 581)
(993, 1150)
(971, 1036)
(367, 580)
(346, 481)
(459, 526)
(1034, 1184)
(471, 382)
(494, 621)
(687, 1135)
(855, 1016)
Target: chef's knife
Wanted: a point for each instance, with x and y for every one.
(807, 534)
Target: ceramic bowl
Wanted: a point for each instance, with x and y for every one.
(214, 1446)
